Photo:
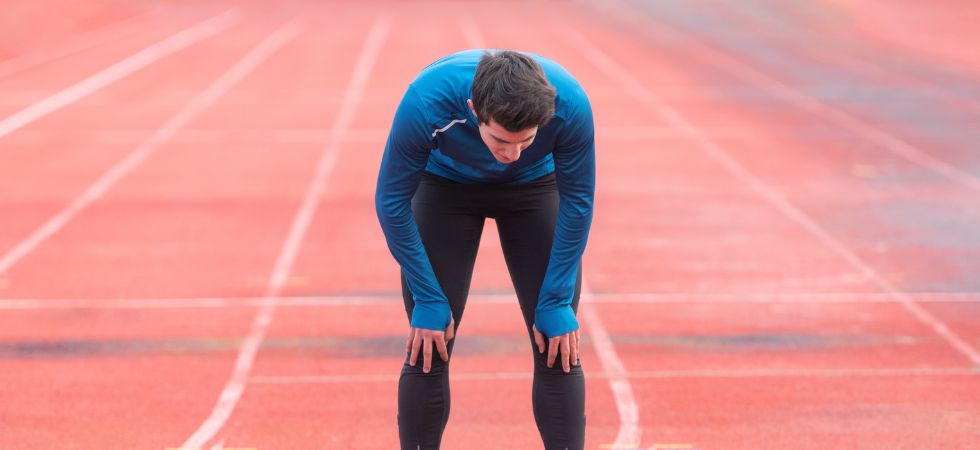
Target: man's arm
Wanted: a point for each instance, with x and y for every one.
(574, 157)
(405, 156)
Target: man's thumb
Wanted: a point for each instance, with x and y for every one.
(538, 339)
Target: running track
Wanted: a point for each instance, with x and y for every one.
(785, 249)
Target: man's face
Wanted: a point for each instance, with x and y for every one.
(506, 146)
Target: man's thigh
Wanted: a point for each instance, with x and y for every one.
(450, 233)
(526, 235)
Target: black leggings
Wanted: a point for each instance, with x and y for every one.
(450, 219)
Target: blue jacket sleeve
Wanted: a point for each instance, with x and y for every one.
(406, 153)
(574, 157)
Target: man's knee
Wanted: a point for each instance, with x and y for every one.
(557, 368)
(437, 365)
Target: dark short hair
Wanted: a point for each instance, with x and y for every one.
(511, 88)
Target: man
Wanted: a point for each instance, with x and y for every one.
(505, 135)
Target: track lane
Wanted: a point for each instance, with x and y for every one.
(935, 355)
(39, 92)
(154, 378)
(236, 384)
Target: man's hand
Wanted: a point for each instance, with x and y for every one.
(424, 339)
(566, 343)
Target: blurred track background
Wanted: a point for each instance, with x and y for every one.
(785, 253)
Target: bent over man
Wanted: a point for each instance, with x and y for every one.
(490, 134)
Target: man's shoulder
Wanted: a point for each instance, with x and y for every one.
(451, 71)
(444, 85)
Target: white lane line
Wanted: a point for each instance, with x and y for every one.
(756, 184)
(629, 411)
(77, 44)
(368, 300)
(779, 297)
(35, 136)
(918, 83)
(236, 383)
(661, 374)
(117, 71)
(471, 32)
(840, 58)
(630, 432)
(830, 113)
(217, 88)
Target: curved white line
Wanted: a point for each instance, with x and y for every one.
(658, 374)
(869, 132)
(137, 156)
(787, 208)
(630, 432)
(328, 300)
(110, 33)
(117, 71)
(235, 385)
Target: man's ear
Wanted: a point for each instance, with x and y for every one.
(469, 101)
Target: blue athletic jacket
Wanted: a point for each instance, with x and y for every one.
(435, 131)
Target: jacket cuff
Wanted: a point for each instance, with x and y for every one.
(555, 322)
(431, 316)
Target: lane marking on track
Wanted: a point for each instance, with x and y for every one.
(118, 71)
(711, 149)
(861, 63)
(471, 31)
(871, 133)
(369, 300)
(77, 44)
(619, 380)
(205, 99)
(107, 136)
(235, 386)
(626, 405)
(657, 374)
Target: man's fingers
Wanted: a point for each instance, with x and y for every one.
(427, 354)
(416, 345)
(441, 346)
(575, 343)
(552, 350)
(411, 337)
(538, 339)
(565, 351)
(451, 330)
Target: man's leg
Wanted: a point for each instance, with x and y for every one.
(450, 233)
(526, 231)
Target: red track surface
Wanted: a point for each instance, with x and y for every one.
(784, 252)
